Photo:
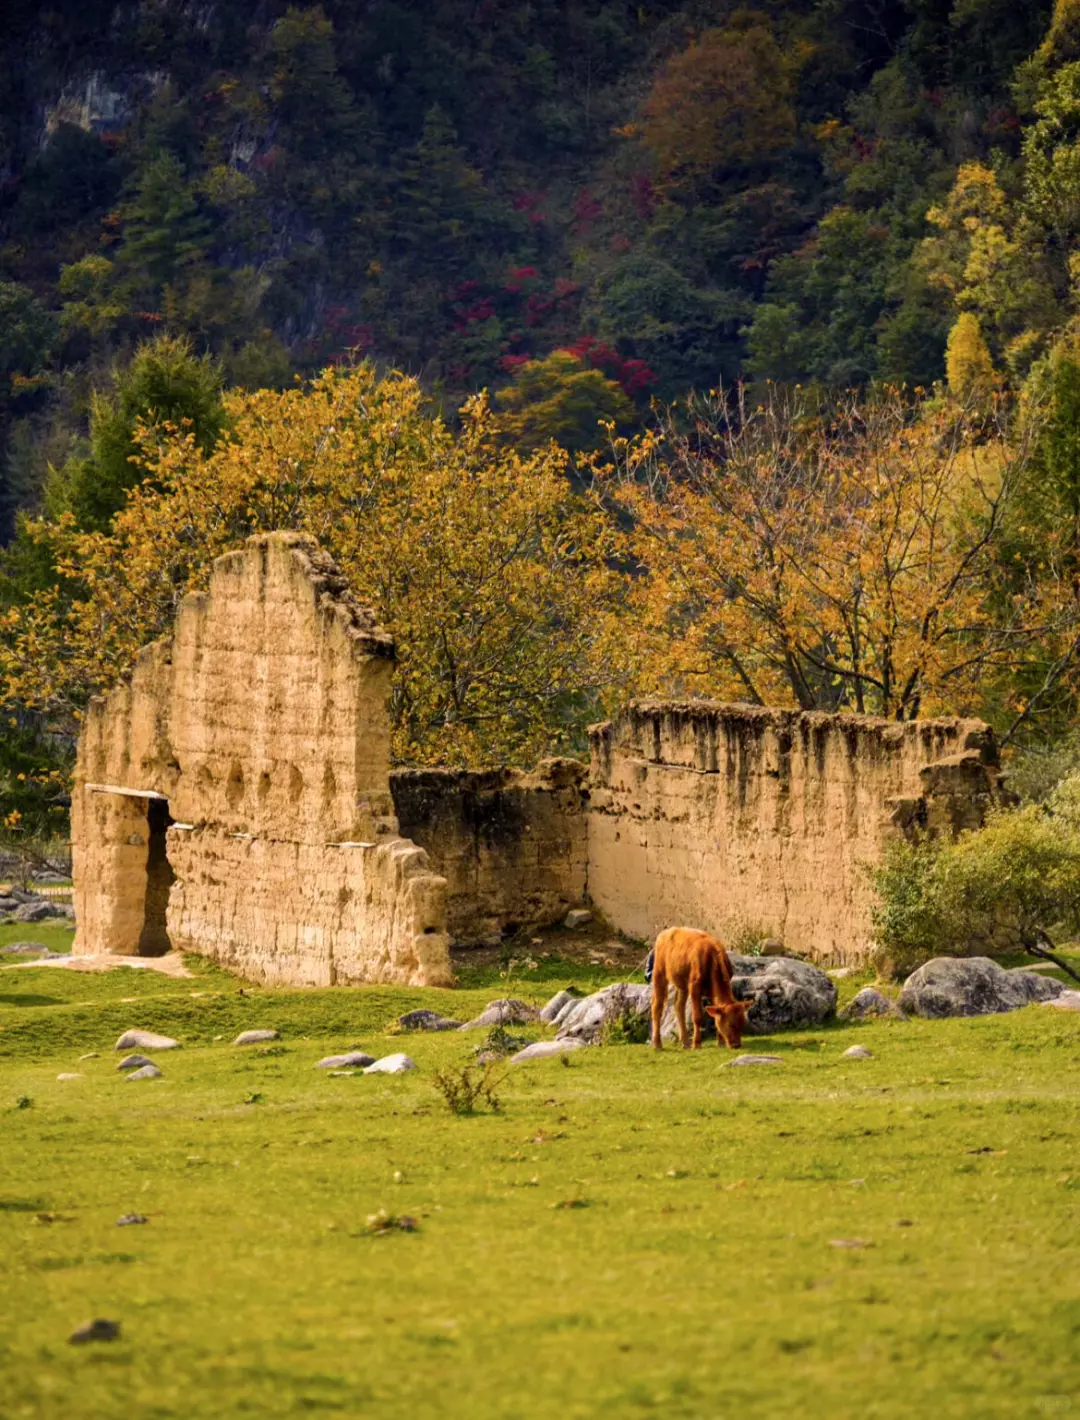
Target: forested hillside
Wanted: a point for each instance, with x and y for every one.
(678, 193)
(774, 305)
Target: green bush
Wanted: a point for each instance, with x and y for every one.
(989, 893)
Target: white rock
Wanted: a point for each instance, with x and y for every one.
(857, 1052)
(391, 1065)
(542, 1049)
(145, 1040)
(755, 1060)
(354, 1057)
(1067, 1001)
(558, 1003)
(148, 1072)
(577, 917)
(67, 1075)
(255, 1037)
(839, 972)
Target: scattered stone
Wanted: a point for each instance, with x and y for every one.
(391, 1065)
(145, 1040)
(972, 986)
(509, 1012)
(577, 917)
(256, 1037)
(857, 1052)
(550, 1011)
(68, 1075)
(90, 1055)
(39, 911)
(427, 1020)
(27, 949)
(100, 1329)
(542, 1049)
(850, 1242)
(147, 1072)
(755, 1060)
(133, 1062)
(354, 1058)
(867, 1003)
(1067, 1001)
(129, 1219)
(839, 972)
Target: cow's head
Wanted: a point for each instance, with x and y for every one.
(730, 1019)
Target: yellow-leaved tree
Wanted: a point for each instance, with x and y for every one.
(842, 557)
(491, 574)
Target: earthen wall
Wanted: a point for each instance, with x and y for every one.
(259, 731)
(511, 845)
(724, 817)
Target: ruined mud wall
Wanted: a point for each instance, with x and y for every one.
(260, 727)
(717, 816)
(511, 845)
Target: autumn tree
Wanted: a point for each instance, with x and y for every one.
(560, 399)
(724, 102)
(837, 557)
(488, 570)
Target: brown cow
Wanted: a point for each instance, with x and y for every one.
(696, 965)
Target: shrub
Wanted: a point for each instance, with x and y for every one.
(993, 891)
(462, 1088)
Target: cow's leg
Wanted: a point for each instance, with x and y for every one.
(680, 1016)
(696, 1012)
(659, 1004)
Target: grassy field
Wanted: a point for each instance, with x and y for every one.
(632, 1235)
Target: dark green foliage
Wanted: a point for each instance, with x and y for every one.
(166, 383)
(457, 189)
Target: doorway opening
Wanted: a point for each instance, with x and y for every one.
(154, 937)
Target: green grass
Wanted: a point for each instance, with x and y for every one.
(694, 1274)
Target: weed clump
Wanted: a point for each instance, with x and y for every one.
(463, 1087)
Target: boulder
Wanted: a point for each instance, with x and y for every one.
(391, 1065)
(355, 1058)
(554, 1007)
(577, 917)
(788, 994)
(504, 1013)
(133, 1062)
(584, 1020)
(146, 1072)
(255, 1037)
(868, 1003)
(543, 1049)
(39, 911)
(972, 986)
(145, 1040)
(426, 1020)
(857, 1052)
